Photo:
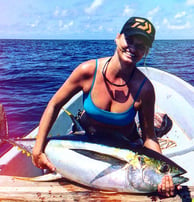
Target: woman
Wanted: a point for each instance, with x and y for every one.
(114, 90)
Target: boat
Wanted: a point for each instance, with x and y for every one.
(174, 97)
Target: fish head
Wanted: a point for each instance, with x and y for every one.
(145, 173)
(152, 173)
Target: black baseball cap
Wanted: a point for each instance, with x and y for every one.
(139, 26)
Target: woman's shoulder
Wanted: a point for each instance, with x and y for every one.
(88, 68)
(147, 88)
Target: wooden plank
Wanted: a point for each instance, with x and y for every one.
(3, 122)
(12, 189)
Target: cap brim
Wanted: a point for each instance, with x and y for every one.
(137, 32)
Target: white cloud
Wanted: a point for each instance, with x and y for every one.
(100, 28)
(36, 23)
(176, 27)
(109, 29)
(94, 6)
(63, 13)
(190, 2)
(56, 12)
(60, 23)
(154, 11)
(59, 13)
(128, 11)
(66, 26)
(180, 15)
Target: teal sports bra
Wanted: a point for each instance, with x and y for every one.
(103, 116)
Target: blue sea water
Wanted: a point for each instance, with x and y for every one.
(32, 70)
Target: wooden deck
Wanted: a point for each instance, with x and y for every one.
(17, 190)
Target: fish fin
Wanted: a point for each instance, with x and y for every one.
(24, 144)
(107, 171)
(42, 178)
(99, 156)
(114, 162)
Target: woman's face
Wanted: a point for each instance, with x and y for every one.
(131, 49)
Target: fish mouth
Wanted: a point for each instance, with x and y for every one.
(179, 179)
(177, 173)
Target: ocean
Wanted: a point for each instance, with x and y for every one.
(31, 71)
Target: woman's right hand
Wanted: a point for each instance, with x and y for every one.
(40, 160)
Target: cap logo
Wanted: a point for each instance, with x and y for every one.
(143, 25)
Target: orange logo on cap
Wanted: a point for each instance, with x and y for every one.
(143, 25)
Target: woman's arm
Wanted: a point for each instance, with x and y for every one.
(146, 116)
(78, 80)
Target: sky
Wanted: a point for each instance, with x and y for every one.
(92, 19)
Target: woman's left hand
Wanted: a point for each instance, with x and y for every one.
(166, 188)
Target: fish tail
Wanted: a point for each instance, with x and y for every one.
(23, 144)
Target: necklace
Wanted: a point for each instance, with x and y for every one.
(114, 84)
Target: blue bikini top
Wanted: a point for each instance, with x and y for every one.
(106, 117)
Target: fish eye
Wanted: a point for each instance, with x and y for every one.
(141, 160)
(164, 168)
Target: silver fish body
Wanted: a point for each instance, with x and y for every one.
(104, 167)
(109, 168)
